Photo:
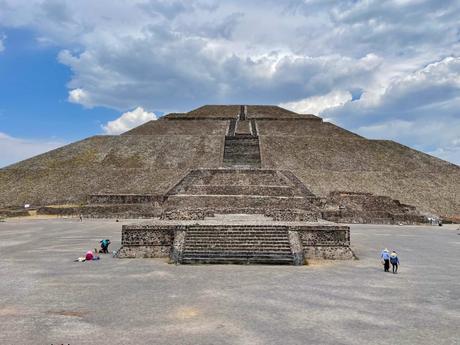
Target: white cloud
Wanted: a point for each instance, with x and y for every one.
(128, 121)
(2, 42)
(15, 149)
(79, 96)
(419, 109)
(316, 104)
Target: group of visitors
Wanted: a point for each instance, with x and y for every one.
(90, 255)
(388, 259)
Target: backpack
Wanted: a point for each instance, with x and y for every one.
(394, 259)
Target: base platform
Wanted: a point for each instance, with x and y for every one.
(236, 239)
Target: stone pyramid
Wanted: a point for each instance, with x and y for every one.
(231, 158)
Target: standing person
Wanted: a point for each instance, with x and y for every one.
(394, 261)
(385, 255)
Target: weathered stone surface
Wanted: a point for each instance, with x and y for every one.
(144, 252)
(329, 253)
(125, 199)
(150, 159)
(286, 242)
(13, 213)
(364, 208)
(123, 211)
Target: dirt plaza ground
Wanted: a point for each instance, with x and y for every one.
(46, 298)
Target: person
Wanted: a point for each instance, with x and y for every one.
(105, 246)
(394, 261)
(89, 255)
(385, 255)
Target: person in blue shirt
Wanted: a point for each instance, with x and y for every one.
(385, 256)
(104, 246)
(394, 261)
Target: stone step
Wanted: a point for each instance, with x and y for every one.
(237, 244)
(235, 252)
(238, 260)
(223, 244)
(216, 254)
(239, 190)
(240, 201)
(242, 234)
(241, 136)
(241, 159)
(242, 143)
(256, 229)
(255, 236)
(252, 249)
(242, 150)
(237, 154)
(219, 254)
(219, 239)
(237, 227)
(246, 149)
(243, 127)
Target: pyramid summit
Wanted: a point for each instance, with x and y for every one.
(232, 158)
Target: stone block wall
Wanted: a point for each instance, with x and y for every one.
(146, 241)
(124, 211)
(352, 207)
(124, 199)
(330, 242)
(289, 215)
(325, 242)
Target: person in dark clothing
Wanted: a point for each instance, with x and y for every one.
(394, 260)
(385, 256)
(105, 246)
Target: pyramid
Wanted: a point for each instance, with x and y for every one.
(236, 159)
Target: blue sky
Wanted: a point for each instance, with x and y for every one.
(69, 70)
(33, 97)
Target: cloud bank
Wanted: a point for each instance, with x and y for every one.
(369, 66)
(2, 44)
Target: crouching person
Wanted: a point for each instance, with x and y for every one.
(104, 246)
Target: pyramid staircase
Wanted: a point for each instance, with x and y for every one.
(241, 149)
(250, 244)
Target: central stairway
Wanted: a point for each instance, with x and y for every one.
(237, 244)
(241, 148)
(242, 151)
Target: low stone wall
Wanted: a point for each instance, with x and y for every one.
(124, 199)
(288, 215)
(13, 213)
(367, 208)
(146, 241)
(122, 211)
(186, 214)
(330, 242)
(373, 217)
(329, 253)
(241, 201)
(59, 211)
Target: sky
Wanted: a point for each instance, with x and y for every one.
(73, 69)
